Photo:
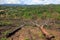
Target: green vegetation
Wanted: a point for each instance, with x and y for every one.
(29, 12)
(27, 39)
(5, 23)
(3, 39)
(5, 33)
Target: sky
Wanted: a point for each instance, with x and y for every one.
(29, 2)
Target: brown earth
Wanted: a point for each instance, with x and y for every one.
(27, 33)
(33, 33)
(30, 32)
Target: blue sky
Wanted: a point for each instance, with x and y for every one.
(29, 2)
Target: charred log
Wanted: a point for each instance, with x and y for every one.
(14, 31)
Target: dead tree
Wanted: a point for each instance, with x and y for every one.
(14, 31)
(44, 31)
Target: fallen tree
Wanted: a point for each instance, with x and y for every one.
(14, 31)
(44, 31)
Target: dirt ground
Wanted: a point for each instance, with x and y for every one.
(30, 32)
(27, 33)
(33, 33)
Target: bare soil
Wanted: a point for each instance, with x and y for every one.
(30, 32)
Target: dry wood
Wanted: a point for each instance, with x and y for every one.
(44, 31)
(14, 31)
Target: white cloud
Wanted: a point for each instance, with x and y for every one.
(57, 2)
(12, 1)
(29, 2)
(36, 2)
(2, 1)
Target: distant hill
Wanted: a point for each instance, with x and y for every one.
(24, 4)
(12, 4)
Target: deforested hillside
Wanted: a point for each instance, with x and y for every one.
(25, 22)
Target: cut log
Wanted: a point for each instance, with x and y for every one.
(14, 31)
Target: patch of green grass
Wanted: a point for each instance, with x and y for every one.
(5, 23)
(3, 39)
(27, 39)
(41, 35)
(27, 15)
(5, 33)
